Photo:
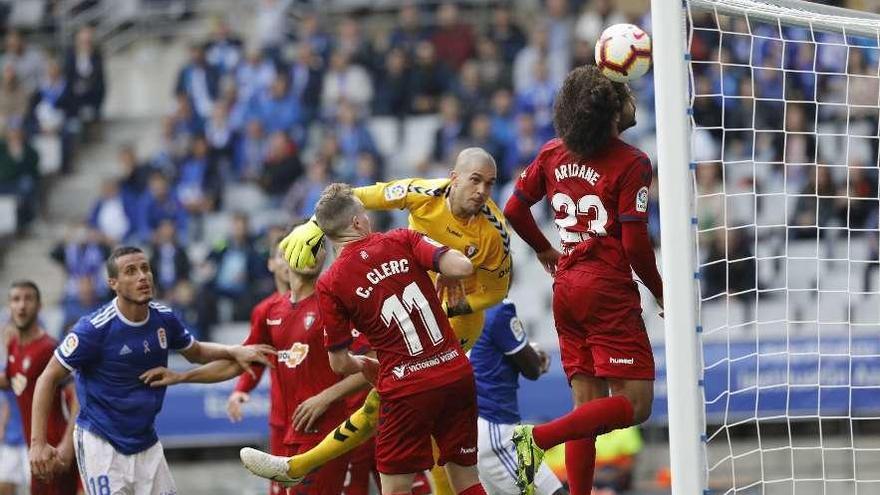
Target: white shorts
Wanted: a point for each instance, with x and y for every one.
(105, 471)
(497, 462)
(14, 468)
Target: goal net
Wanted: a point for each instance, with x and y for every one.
(784, 110)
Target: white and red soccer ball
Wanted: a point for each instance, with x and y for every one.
(623, 52)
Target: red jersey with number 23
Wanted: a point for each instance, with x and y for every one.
(381, 285)
(590, 198)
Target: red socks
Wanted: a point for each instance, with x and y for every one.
(588, 421)
(580, 460)
(474, 490)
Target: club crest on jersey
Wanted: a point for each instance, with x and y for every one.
(471, 250)
(71, 342)
(308, 320)
(295, 355)
(364, 255)
(642, 200)
(394, 192)
(163, 338)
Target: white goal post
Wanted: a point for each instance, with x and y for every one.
(768, 145)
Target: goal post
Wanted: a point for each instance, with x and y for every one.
(683, 368)
(768, 153)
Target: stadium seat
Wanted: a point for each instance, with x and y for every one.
(8, 214)
(386, 132)
(49, 148)
(244, 197)
(27, 13)
(418, 139)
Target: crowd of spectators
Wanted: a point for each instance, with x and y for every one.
(292, 109)
(47, 100)
(791, 142)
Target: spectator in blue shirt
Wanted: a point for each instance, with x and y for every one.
(199, 82)
(277, 108)
(156, 204)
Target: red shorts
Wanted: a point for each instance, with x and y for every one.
(600, 327)
(406, 425)
(328, 479)
(66, 483)
(277, 447)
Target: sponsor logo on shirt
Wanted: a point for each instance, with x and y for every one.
(71, 342)
(404, 369)
(399, 371)
(456, 234)
(125, 350)
(273, 322)
(19, 383)
(394, 192)
(26, 363)
(294, 356)
(627, 361)
(163, 338)
(642, 200)
(309, 319)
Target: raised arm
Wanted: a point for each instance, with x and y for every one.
(213, 372)
(244, 356)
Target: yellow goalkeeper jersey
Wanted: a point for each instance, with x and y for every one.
(484, 239)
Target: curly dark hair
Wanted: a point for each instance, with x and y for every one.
(585, 109)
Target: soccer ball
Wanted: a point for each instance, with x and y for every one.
(623, 52)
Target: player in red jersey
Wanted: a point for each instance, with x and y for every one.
(598, 188)
(313, 397)
(278, 419)
(28, 352)
(380, 284)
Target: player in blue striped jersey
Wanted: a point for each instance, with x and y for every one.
(117, 448)
(503, 353)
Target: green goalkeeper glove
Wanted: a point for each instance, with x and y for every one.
(302, 244)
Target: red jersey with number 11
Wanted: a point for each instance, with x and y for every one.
(381, 285)
(590, 199)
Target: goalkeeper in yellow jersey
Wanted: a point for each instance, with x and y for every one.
(457, 212)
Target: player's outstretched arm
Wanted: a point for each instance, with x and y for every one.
(43, 457)
(454, 264)
(213, 372)
(244, 355)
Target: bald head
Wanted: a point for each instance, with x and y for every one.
(471, 158)
(472, 181)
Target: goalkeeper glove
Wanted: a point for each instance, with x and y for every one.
(302, 244)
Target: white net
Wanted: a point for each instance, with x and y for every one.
(785, 108)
